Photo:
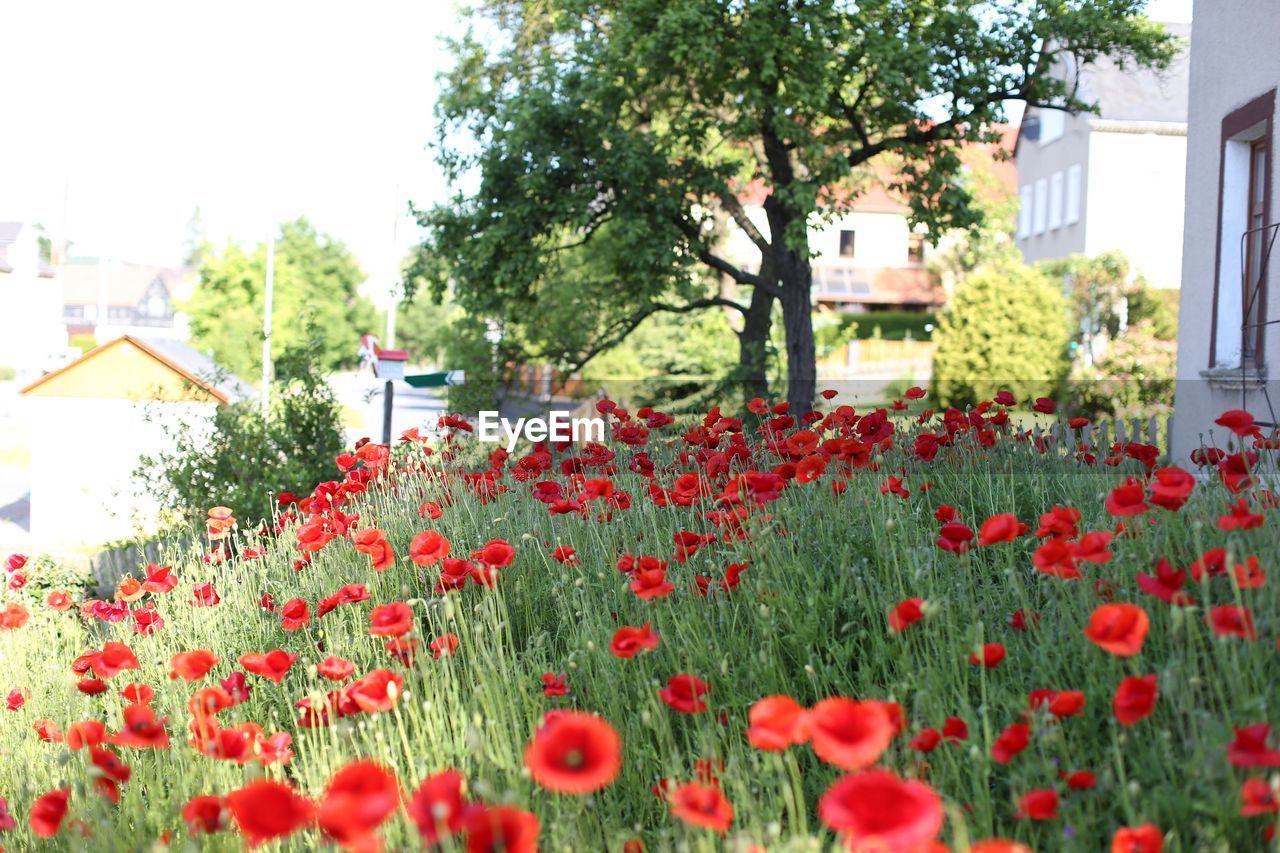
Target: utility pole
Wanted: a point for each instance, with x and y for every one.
(266, 323)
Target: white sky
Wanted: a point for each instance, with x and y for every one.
(255, 112)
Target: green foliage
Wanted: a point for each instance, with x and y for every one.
(316, 281)
(84, 343)
(1134, 379)
(7, 373)
(1159, 306)
(243, 459)
(45, 574)
(673, 361)
(1005, 327)
(630, 127)
(885, 325)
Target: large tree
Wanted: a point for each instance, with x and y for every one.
(630, 129)
(315, 301)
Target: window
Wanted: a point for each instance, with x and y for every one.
(1024, 212)
(846, 243)
(1243, 267)
(1073, 196)
(1052, 124)
(1055, 201)
(1252, 249)
(1040, 208)
(915, 249)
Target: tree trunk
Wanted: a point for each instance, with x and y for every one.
(753, 345)
(797, 320)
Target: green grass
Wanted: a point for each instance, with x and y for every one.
(809, 621)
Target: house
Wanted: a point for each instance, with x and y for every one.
(90, 422)
(112, 298)
(1228, 340)
(1092, 183)
(31, 332)
(870, 258)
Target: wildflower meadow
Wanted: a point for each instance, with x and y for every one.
(893, 629)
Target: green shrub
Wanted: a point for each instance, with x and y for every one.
(1135, 378)
(247, 459)
(7, 373)
(84, 343)
(885, 325)
(1004, 328)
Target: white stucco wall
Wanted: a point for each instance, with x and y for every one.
(880, 241)
(1233, 61)
(31, 330)
(1134, 197)
(83, 454)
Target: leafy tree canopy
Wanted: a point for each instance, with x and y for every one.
(316, 281)
(632, 126)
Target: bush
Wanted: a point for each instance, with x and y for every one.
(885, 325)
(1134, 379)
(84, 343)
(243, 459)
(7, 373)
(1004, 327)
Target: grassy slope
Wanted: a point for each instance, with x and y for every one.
(808, 620)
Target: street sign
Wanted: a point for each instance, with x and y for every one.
(435, 380)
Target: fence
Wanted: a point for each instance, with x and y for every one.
(1099, 435)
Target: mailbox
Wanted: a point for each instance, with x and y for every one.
(391, 363)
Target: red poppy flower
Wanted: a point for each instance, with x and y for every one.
(1044, 406)
(1040, 804)
(1092, 548)
(141, 730)
(684, 693)
(1118, 628)
(1128, 499)
(701, 805)
(1081, 780)
(906, 614)
(1171, 487)
(1135, 699)
(437, 806)
(13, 616)
(926, 740)
(47, 813)
(1011, 741)
(777, 722)
(114, 659)
(955, 730)
(357, 800)
(58, 599)
(1166, 585)
(554, 685)
(84, 733)
(1229, 620)
(954, 537)
(1250, 749)
(1249, 575)
(1138, 839)
(267, 809)
(16, 699)
(391, 620)
(335, 668)
(1004, 527)
(139, 694)
(1258, 798)
(496, 554)
(876, 809)
(444, 646)
(372, 542)
(206, 814)
(992, 655)
(851, 734)
(377, 691)
(192, 666)
(628, 641)
(1240, 518)
(1056, 558)
(1238, 421)
(204, 595)
(1067, 703)
(294, 614)
(273, 664)
(504, 828)
(574, 753)
(428, 548)
(651, 584)
(110, 773)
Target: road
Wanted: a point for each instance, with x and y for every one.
(361, 396)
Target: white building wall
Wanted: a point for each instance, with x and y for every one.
(1135, 188)
(880, 240)
(83, 455)
(1233, 61)
(31, 330)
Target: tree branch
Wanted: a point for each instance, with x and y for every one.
(739, 214)
(719, 264)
